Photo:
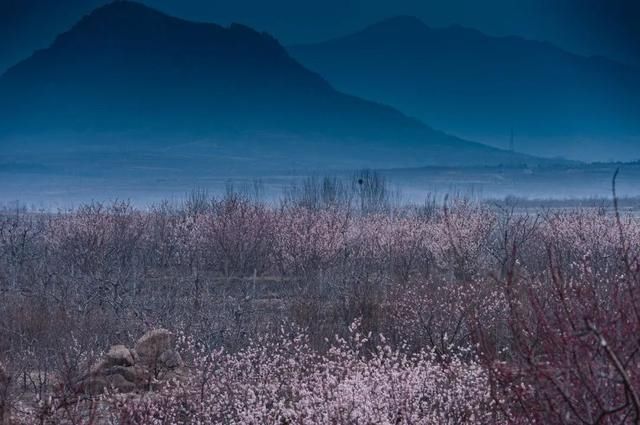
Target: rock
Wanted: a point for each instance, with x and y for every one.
(152, 344)
(98, 367)
(170, 359)
(136, 374)
(119, 355)
(118, 383)
(152, 364)
(93, 385)
(128, 373)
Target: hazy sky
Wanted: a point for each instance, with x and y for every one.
(607, 27)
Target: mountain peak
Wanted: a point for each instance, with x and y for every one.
(402, 23)
(124, 7)
(121, 11)
(119, 22)
(123, 25)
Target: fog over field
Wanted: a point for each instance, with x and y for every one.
(336, 212)
(37, 189)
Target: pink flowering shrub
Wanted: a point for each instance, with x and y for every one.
(489, 315)
(283, 380)
(573, 354)
(309, 240)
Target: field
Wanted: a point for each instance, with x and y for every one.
(333, 306)
(62, 180)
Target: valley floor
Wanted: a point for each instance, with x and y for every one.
(63, 183)
(333, 306)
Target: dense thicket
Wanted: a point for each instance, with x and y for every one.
(463, 313)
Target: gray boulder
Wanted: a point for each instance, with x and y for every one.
(170, 359)
(119, 355)
(151, 345)
(152, 363)
(118, 383)
(92, 385)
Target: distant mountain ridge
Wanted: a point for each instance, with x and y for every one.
(127, 75)
(481, 87)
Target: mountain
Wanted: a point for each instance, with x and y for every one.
(129, 77)
(587, 26)
(483, 88)
(26, 25)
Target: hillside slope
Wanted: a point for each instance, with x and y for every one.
(482, 87)
(129, 76)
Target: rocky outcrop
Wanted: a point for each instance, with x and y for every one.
(120, 355)
(154, 344)
(152, 362)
